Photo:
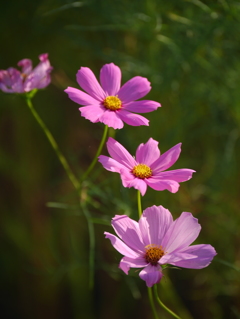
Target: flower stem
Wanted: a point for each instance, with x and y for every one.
(139, 203)
(91, 244)
(91, 166)
(54, 145)
(162, 304)
(75, 183)
(150, 296)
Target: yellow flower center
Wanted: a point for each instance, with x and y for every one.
(153, 254)
(112, 103)
(142, 171)
(24, 76)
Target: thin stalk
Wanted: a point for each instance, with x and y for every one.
(76, 185)
(162, 304)
(54, 145)
(91, 244)
(150, 296)
(139, 203)
(94, 161)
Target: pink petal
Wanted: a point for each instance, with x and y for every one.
(110, 164)
(6, 81)
(154, 224)
(126, 263)
(17, 80)
(144, 106)
(120, 154)
(134, 89)
(92, 112)
(88, 82)
(43, 57)
(174, 257)
(110, 78)
(159, 185)
(151, 274)
(111, 119)
(132, 119)
(5, 89)
(203, 255)
(81, 97)
(183, 231)
(26, 66)
(120, 246)
(40, 76)
(177, 175)
(147, 153)
(128, 230)
(167, 159)
(129, 181)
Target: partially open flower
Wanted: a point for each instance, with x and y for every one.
(148, 168)
(15, 81)
(110, 103)
(157, 240)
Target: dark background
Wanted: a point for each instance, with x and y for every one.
(189, 50)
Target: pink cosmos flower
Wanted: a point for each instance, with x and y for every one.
(157, 240)
(108, 103)
(147, 169)
(15, 81)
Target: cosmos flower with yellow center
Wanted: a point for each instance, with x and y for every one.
(157, 240)
(147, 168)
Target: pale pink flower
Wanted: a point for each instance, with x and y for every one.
(109, 103)
(148, 168)
(157, 240)
(15, 81)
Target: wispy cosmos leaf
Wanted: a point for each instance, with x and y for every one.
(103, 27)
(76, 4)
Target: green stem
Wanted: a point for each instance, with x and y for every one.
(91, 166)
(75, 183)
(150, 296)
(139, 203)
(91, 244)
(54, 145)
(162, 304)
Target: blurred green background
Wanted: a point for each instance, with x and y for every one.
(189, 50)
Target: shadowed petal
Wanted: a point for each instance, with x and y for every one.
(147, 153)
(40, 76)
(17, 80)
(120, 154)
(177, 175)
(154, 223)
(6, 81)
(134, 89)
(159, 185)
(80, 97)
(129, 180)
(126, 263)
(143, 106)
(151, 274)
(183, 231)
(26, 66)
(203, 255)
(110, 78)
(110, 164)
(128, 230)
(111, 119)
(120, 246)
(133, 119)
(91, 112)
(167, 159)
(88, 82)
